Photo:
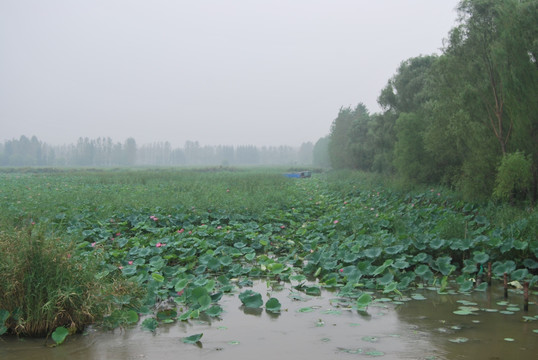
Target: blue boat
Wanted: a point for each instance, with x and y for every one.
(299, 175)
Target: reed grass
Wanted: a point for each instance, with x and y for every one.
(45, 285)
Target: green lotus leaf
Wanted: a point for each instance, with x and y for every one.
(193, 339)
(251, 299)
(59, 335)
(273, 305)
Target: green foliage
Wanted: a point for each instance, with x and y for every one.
(273, 305)
(321, 153)
(193, 339)
(49, 286)
(346, 230)
(411, 160)
(59, 335)
(339, 140)
(514, 177)
(251, 299)
(449, 119)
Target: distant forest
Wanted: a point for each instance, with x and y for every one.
(467, 119)
(103, 152)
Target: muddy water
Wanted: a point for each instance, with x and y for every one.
(417, 329)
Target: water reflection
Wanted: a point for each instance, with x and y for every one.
(483, 333)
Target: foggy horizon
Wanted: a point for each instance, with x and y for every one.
(265, 73)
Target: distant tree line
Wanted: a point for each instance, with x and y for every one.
(467, 118)
(103, 152)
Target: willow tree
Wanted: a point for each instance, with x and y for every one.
(484, 97)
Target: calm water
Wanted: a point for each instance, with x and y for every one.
(417, 329)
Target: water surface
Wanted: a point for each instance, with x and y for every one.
(416, 329)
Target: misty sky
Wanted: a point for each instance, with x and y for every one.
(231, 72)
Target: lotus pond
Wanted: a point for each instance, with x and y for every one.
(229, 263)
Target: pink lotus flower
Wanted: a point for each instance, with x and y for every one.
(130, 262)
(335, 222)
(179, 293)
(341, 270)
(120, 267)
(180, 230)
(282, 226)
(118, 234)
(158, 244)
(93, 244)
(219, 227)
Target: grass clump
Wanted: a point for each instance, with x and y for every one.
(43, 286)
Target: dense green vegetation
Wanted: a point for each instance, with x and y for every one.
(460, 118)
(109, 246)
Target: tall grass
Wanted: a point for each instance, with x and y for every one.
(41, 195)
(44, 285)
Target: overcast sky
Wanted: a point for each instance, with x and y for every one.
(231, 72)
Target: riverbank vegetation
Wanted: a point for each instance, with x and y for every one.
(121, 247)
(465, 119)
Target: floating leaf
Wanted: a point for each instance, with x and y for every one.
(306, 309)
(466, 286)
(273, 305)
(313, 290)
(364, 300)
(375, 353)
(149, 324)
(193, 339)
(331, 312)
(463, 312)
(130, 317)
(60, 334)
(251, 299)
(214, 311)
(509, 339)
(459, 340)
